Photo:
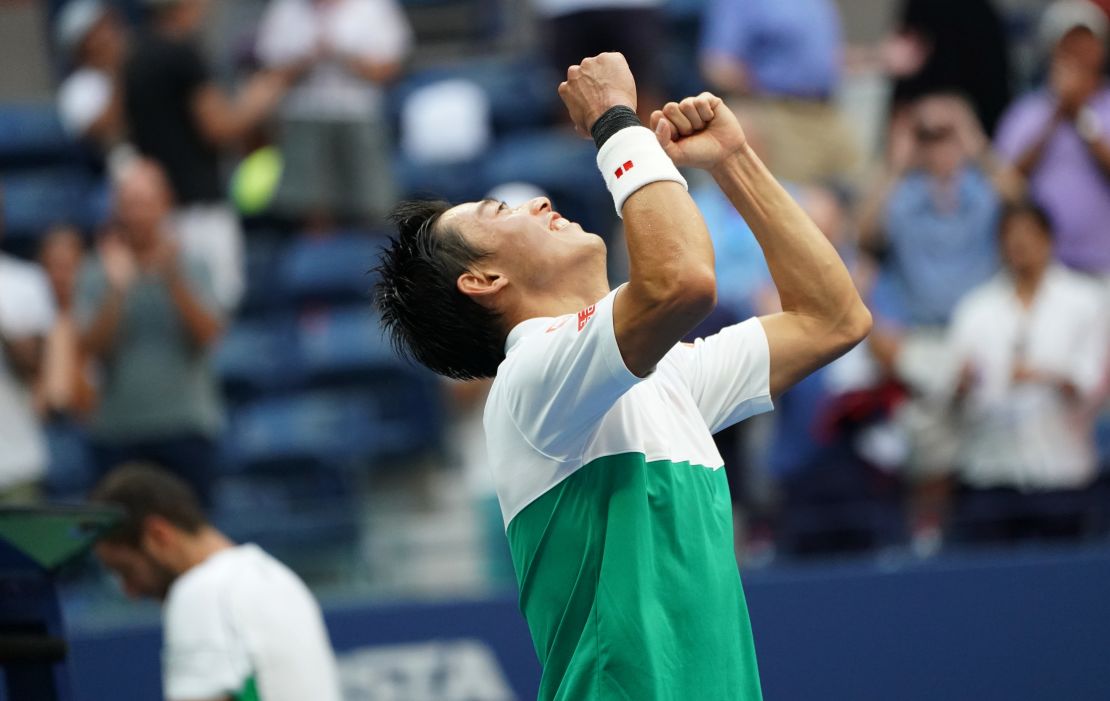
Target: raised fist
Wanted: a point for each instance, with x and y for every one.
(699, 132)
(595, 85)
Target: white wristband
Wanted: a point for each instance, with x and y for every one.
(632, 158)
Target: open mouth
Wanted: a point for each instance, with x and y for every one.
(557, 223)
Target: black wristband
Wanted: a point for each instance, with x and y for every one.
(614, 119)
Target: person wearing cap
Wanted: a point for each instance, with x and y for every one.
(178, 116)
(91, 37)
(1058, 136)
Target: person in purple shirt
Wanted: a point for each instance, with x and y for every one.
(1059, 138)
(785, 55)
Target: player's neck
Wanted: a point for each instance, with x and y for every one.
(198, 548)
(559, 302)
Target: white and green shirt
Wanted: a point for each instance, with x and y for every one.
(617, 509)
(243, 626)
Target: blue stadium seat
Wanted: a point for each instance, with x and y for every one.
(454, 182)
(263, 264)
(288, 514)
(344, 344)
(561, 164)
(31, 135)
(397, 418)
(330, 269)
(36, 200)
(521, 91)
(257, 356)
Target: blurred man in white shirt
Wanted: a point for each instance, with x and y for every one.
(1031, 345)
(238, 624)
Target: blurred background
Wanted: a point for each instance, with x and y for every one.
(938, 499)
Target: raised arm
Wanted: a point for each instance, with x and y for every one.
(823, 315)
(671, 285)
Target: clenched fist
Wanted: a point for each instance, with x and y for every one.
(699, 132)
(595, 85)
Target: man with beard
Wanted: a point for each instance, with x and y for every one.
(238, 624)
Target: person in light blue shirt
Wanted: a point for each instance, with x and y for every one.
(784, 58)
(789, 48)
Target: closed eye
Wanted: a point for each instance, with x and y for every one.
(502, 207)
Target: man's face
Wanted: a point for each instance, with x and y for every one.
(142, 203)
(1026, 248)
(139, 574)
(532, 245)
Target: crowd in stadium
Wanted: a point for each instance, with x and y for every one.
(189, 226)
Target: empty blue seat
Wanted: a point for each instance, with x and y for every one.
(37, 200)
(521, 91)
(561, 164)
(343, 344)
(263, 264)
(256, 356)
(330, 269)
(32, 135)
(353, 428)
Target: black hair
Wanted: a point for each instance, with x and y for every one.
(142, 490)
(425, 314)
(1026, 208)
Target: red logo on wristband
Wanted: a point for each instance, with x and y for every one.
(621, 170)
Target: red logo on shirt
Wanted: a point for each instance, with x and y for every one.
(558, 324)
(584, 316)
(621, 170)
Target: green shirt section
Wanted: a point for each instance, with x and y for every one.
(629, 584)
(249, 692)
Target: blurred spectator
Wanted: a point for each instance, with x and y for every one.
(1057, 136)
(954, 46)
(575, 29)
(64, 388)
(26, 314)
(932, 215)
(178, 116)
(786, 56)
(932, 219)
(90, 99)
(334, 136)
(237, 623)
(1032, 345)
(149, 315)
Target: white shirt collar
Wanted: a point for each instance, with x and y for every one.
(527, 328)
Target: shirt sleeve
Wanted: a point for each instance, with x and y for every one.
(728, 374)
(376, 30)
(82, 99)
(563, 380)
(286, 34)
(726, 30)
(199, 279)
(91, 287)
(26, 308)
(202, 657)
(1087, 371)
(1019, 127)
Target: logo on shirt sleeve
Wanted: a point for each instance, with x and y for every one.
(584, 316)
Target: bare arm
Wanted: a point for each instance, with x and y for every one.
(99, 339)
(203, 327)
(823, 315)
(671, 285)
(24, 355)
(222, 120)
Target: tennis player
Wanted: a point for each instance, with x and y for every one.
(238, 624)
(599, 421)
